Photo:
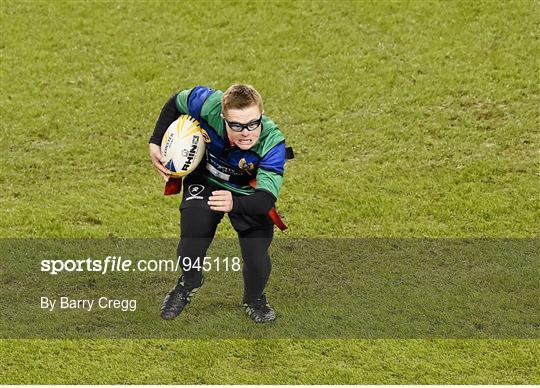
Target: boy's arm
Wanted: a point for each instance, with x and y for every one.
(168, 114)
(257, 203)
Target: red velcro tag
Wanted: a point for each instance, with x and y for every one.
(274, 216)
(173, 186)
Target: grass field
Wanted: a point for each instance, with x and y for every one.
(412, 119)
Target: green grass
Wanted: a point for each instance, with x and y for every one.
(270, 362)
(410, 119)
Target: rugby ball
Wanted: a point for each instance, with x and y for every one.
(182, 146)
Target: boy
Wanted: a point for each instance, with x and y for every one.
(241, 175)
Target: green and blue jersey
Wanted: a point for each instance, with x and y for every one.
(228, 166)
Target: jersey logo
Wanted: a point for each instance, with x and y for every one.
(194, 192)
(247, 167)
(205, 136)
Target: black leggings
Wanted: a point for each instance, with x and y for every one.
(197, 229)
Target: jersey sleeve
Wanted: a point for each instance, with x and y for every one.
(182, 101)
(203, 103)
(269, 181)
(271, 169)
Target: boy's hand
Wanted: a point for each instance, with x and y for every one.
(221, 201)
(157, 161)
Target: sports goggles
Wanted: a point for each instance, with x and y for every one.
(239, 127)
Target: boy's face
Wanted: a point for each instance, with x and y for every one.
(239, 119)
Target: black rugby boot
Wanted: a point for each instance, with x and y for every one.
(259, 310)
(177, 299)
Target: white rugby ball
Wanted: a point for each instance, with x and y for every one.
(183, 146)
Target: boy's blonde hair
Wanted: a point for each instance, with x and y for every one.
(240, 96)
